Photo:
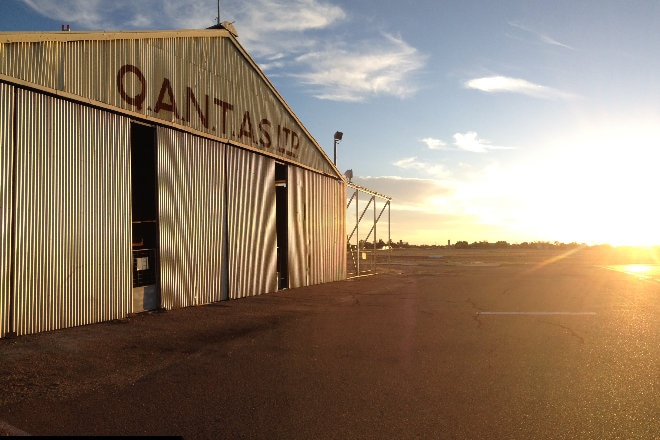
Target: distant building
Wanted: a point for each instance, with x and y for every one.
(155, 169)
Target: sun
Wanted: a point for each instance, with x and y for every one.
(598, 188)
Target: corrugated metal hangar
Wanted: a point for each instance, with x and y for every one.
(144, 170)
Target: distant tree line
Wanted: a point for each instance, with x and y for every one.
(380, 244)
(523, 245)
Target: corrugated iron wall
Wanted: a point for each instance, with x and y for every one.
(212, 222)
(329, 239)
(251, 223)
(217, 217)
(70, 218)
(317, 237)
(6, 161)
(191, 204)
(176, 211)
(72, 253)
(35, 63)
(192, 232)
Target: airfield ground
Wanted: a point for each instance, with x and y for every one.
(442, 343)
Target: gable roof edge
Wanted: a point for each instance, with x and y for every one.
(270, 85)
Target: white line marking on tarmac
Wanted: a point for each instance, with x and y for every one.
(539, 313)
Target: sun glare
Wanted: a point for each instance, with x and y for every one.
(645, 271)
(637, 269)
(596, 188)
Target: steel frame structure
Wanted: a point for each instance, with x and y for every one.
(358, 252)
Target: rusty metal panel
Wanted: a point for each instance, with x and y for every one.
(6, 173)
(191, 203)
(202, 80)
(317, 234)
(73, 232)
(251, 218)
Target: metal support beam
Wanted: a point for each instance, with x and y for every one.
(359, 219)
(360, 213)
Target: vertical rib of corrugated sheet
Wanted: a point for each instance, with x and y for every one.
(176, 212)
(297, 183)
(191, 203)
(72, 249)
(340, 229)
(6, 172)
(251, 219)
(327, 238)
(210, 221)
(316, 228)
(33, 62)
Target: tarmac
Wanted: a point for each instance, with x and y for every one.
(440, 344)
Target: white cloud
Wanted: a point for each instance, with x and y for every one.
(504, 84)
(257, 18)
(438, 171)
(420, 209)
(540, 36)
(285, 39)
(434, 144)
(264, 16)
(413, 193)
(266, 27)
(377, 67)
(431, 210)
(553, 42)
(471, 141)
(128, 14)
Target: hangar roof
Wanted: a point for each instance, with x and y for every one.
(202, 81)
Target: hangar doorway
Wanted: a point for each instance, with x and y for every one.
(144, 201)
(282, 225)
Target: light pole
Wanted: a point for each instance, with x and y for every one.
(338, 136)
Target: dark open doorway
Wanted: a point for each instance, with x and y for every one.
(282, 213)
(144, 200)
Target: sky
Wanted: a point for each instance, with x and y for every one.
(484, 121)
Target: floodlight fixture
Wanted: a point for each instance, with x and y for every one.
(338, 136)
